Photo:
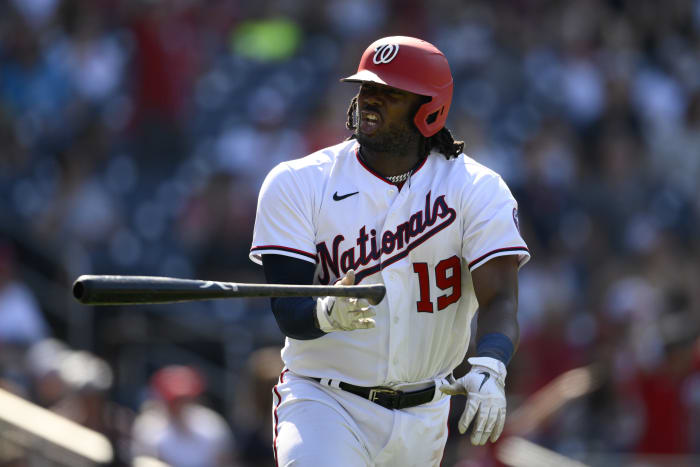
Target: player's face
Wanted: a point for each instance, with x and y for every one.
(385, 118)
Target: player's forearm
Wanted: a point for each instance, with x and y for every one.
(296, 317)
(496, 288)
(498, 318)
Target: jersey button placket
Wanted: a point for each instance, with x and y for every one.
(392, 279)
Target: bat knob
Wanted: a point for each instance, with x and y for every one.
(80, 288)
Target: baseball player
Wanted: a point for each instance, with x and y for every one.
(398, 203)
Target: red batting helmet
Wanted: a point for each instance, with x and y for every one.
(412, 65)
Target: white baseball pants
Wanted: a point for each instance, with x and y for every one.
(316, 425)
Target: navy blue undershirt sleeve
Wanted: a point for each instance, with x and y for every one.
(294, 315)
(496, 345)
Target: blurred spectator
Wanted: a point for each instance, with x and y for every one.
(665, 391)
(88, 379)
(21, 323)
(166, 55)
(176, 428)
(80, 210)
(93, 57)
(86, 400)
(43, 363)
(166, 62)
(33, 88)
(21, 320)
(254, 406)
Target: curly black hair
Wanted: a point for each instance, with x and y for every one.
(442, 141)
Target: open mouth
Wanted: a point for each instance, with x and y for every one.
(369, 121)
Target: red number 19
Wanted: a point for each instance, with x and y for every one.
(448, 274)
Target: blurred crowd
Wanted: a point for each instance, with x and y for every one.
(135, 134)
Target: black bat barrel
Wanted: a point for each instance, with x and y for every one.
(134, 290)
(120, 290)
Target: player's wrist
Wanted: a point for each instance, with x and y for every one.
(322, 314)
(496, 345)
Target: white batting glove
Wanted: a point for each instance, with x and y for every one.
(484, 387)
(344, 313)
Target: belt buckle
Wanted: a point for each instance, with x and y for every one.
(374, 393)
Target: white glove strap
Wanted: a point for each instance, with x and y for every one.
(323, 307)
(496, 367)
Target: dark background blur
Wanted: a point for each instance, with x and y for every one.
(134, 136)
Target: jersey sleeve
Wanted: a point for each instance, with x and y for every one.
(491, 227)
(284, 220)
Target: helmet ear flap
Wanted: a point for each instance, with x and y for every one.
(432, 115)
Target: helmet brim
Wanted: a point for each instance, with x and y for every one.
(363, 77)
(367, 76)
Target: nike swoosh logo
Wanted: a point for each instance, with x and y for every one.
(337, 197)
(486, 378)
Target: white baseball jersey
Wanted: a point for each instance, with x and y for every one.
(421, 242)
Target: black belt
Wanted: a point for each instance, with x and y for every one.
(389, 398)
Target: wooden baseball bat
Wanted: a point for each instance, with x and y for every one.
(143, 290)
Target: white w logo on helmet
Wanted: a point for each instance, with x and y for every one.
(385, 53)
